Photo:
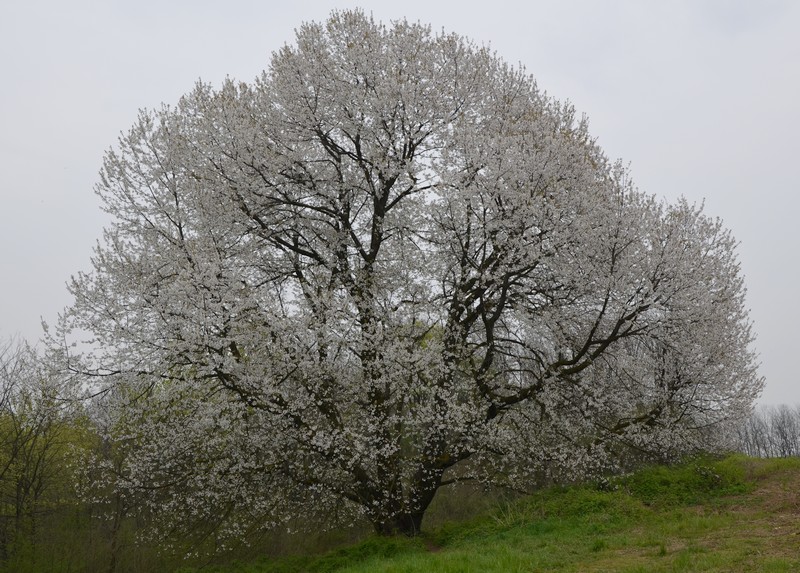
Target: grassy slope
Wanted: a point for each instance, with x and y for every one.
(732, 515)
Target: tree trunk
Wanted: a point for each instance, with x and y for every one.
(407, 524)
(408, 521)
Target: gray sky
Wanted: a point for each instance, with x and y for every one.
(699, 97)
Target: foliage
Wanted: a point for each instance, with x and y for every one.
(44, 525)
(390, 263)
(37, 427)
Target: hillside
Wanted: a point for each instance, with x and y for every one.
(737, 514)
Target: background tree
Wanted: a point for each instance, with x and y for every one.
(770, 432)
(38, 426)
(389, 263)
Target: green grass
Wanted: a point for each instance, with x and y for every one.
(735, 514)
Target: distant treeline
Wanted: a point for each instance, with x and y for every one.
(771, 432)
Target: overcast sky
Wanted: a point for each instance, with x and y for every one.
(699, 97)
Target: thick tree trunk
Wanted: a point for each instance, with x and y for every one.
(408, 521)
(408, 524)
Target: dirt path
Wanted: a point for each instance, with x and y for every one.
(771, 514)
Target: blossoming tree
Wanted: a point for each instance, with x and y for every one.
(389, 263)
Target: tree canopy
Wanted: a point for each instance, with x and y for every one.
(389, 263)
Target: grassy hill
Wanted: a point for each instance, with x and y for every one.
(736, 514)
